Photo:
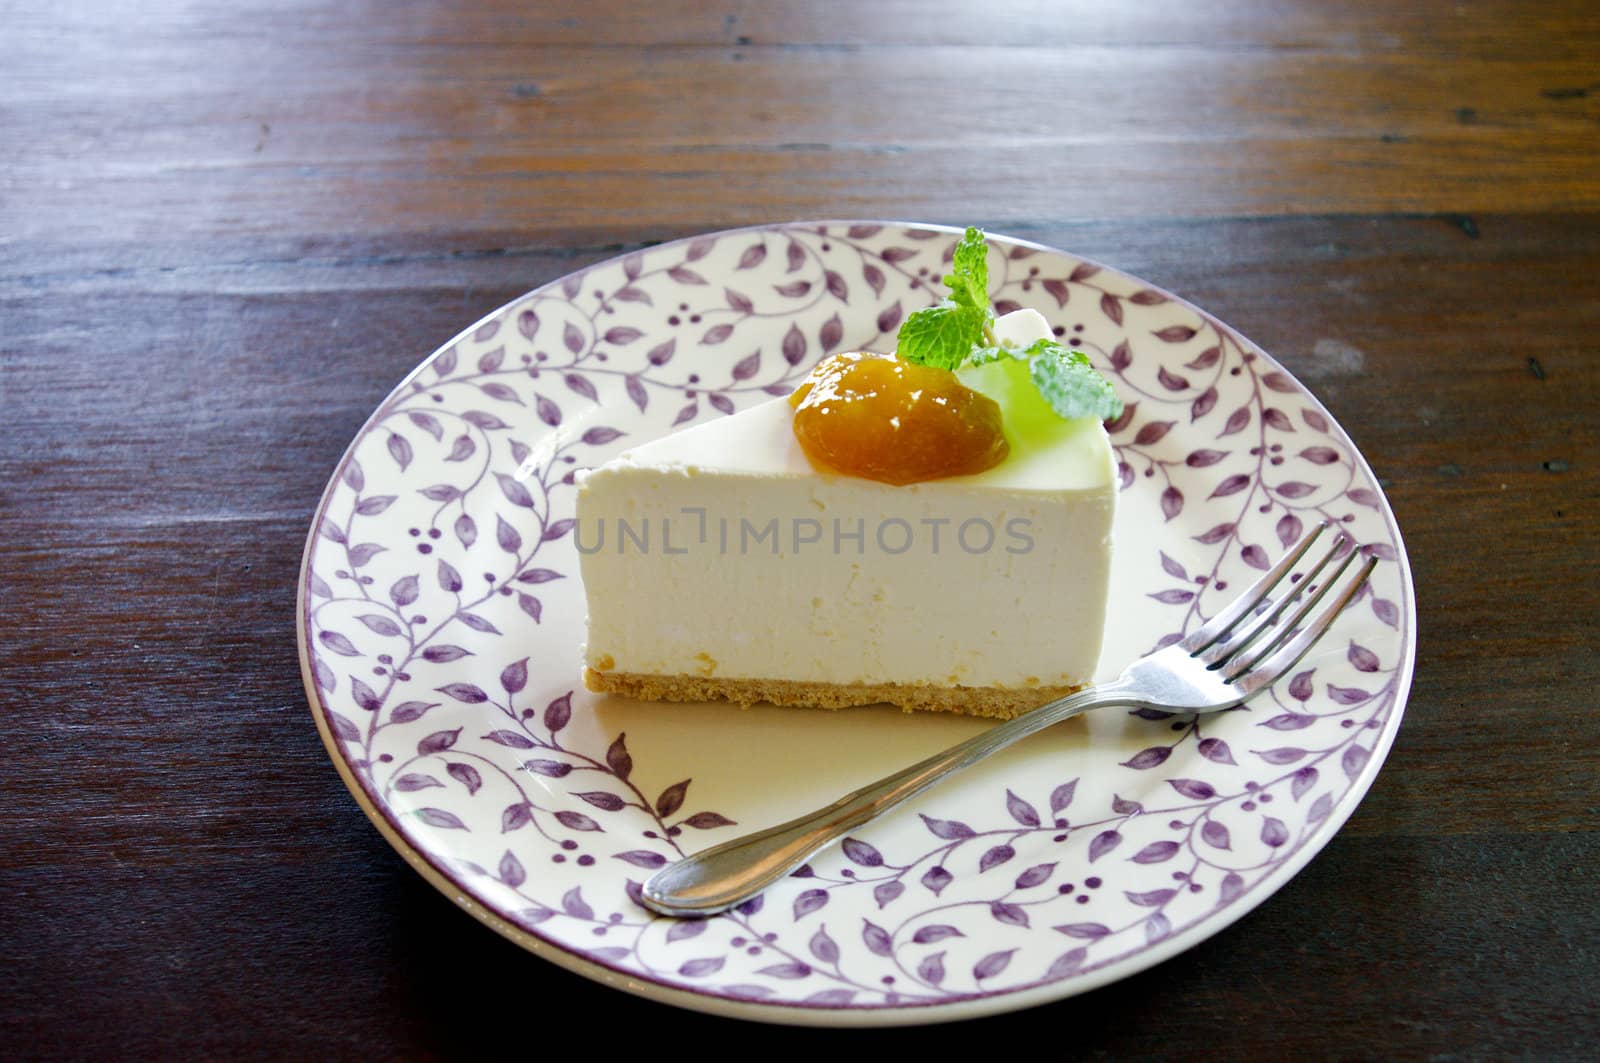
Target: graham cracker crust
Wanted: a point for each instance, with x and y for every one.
(992, 702)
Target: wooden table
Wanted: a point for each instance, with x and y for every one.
(1401, 201)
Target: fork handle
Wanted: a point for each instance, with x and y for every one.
(728, 874)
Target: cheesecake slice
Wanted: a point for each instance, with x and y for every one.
(721, 563)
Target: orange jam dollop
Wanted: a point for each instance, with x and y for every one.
(875, 416)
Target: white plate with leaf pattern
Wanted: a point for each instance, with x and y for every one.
(441, 618)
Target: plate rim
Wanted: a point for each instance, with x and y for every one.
(967, 1006)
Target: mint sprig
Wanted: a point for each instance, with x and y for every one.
(956, 334)
(945, 335)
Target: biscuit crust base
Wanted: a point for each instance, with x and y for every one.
(993, 702)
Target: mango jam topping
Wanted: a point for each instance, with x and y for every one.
(877, 417)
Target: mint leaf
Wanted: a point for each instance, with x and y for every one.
(969, 277)
(941, 335)
(1069, 383)
(945, 335)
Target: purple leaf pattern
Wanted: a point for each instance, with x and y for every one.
(446, 686)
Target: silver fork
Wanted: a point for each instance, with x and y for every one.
(1240, 652)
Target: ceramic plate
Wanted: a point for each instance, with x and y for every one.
(441, 618)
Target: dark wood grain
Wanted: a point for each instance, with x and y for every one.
(207, 211)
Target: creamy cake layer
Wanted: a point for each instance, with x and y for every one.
(720, 552)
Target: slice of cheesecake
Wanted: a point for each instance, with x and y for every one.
(720, 563)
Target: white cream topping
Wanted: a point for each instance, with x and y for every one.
(1020, 328)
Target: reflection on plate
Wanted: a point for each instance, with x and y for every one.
(441, 618)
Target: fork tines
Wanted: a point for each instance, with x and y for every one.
(1251, 641)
